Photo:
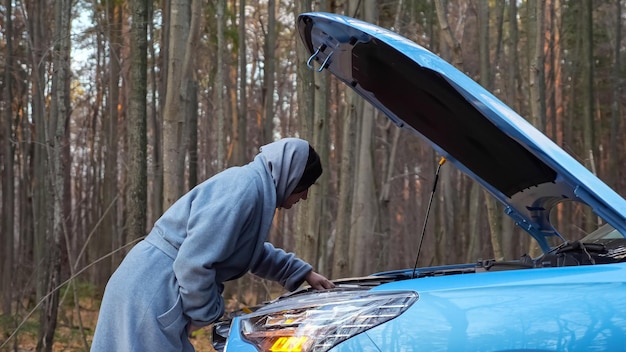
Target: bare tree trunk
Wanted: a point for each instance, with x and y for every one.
(39, 43)
(305, 79)
(109, 237)
(588, 98)
(190, 94)
(231, 104)
(137, 121)
(483, 43)
(269, 71)
(156, 203)
(311, 241)
(220, 84)
(391, 136)
(549, 68)
(475, 214)
(231, 288)
(306, 107)
(341, 257)
(445, 247)
(91, 183)
(173, 118)
(58, 135)
(493, 215)
(192, 132)
(448, 36)
(513, 95)
(558, 73)
(242, 106)
(154, 197)
(499, 13)
(616, 110)
(554, 85)
(537, 71)
(40, 163)
(513, 74)
(7, 208)
(536, 76)
(364, 210)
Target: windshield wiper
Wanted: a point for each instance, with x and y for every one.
(578, 246)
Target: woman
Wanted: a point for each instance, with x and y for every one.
(171, 283)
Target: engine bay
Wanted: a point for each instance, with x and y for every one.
(600, 251)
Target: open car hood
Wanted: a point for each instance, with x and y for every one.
(466, 124)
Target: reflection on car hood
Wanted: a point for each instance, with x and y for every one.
(469, 126)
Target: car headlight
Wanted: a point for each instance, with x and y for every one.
(317, 322)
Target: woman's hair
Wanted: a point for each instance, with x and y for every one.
(312, 171)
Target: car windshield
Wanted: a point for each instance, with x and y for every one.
(605, 232)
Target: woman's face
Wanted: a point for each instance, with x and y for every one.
(294, 198)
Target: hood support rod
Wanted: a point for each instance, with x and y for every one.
(430, 202)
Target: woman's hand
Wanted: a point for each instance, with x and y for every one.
(317, 281)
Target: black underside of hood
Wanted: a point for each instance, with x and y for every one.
(429, 104)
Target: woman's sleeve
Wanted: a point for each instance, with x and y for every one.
(215, 222)
(278, 265)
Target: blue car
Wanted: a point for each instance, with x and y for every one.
(570, 298)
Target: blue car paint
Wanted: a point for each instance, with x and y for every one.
(579, 308)
(235, 341)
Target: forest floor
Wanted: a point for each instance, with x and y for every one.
(69, 336)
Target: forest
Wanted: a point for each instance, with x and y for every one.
(110, 110)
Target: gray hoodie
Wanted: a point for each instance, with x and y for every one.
(214, 233)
